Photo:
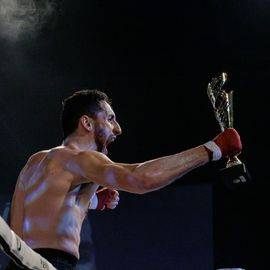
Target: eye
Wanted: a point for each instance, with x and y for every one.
(111, 117)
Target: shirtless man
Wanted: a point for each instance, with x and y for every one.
(56, 187)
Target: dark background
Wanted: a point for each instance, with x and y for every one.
(154, 59)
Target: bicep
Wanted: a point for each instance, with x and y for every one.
(98, 168)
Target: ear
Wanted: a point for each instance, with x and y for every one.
(87, 122)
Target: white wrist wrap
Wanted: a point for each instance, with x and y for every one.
(212, 146)
(93, 202)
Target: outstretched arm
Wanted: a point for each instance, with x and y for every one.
(153, 174)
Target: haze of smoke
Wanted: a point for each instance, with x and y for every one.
(23, 17)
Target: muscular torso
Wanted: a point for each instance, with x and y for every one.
(47, 207)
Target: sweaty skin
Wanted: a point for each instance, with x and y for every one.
(48, 209)
(51, 197)
(56, 187)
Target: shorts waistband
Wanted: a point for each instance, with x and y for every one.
(48, 253)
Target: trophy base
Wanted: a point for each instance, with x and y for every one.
(235, 175)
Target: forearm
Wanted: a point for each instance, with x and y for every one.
(165, 170)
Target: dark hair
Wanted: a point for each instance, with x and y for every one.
(80, 103)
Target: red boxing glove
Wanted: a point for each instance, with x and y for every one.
(226, 144)
(107, 198)
(103, 196)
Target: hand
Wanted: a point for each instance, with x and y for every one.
(107, 198)
(225, 144)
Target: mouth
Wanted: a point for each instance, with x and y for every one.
(111, 139)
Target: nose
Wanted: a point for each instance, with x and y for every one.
(117, 129)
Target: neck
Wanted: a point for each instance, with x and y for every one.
(79, 142)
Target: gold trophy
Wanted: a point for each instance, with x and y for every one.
(235, 171)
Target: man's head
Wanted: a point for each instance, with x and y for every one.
(83, 102)
(92, 110)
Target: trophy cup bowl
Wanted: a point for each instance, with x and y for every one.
(235, 171)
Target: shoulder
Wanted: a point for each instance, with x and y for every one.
(87, 161)
(50, 153)
(38, 155)
(92, 157)
(44, 155)
(86, 166)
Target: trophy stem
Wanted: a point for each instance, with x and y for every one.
(232, 161)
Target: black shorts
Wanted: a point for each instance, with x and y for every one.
(59, 259)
